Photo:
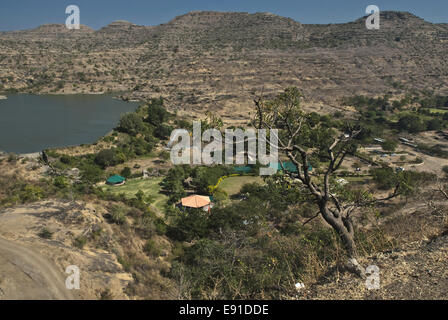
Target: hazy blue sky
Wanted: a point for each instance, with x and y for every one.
(22, 14)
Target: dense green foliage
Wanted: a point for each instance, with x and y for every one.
(109, 157)
(255, 248)
(380, 116)
(406, 181)
(132, 124)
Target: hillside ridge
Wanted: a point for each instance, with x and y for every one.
(218, 61)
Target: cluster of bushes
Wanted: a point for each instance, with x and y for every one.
(253, 249)
(202, 180)
(91, 166)
(376, 115)
(434, 101)
(435, 151)
(434, 113)
(414, 123)
(409, 181)
(152, 124)
(15, 191)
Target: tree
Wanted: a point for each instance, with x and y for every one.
(126, 172)
(389, 145)
(91, 173)
(219, 195)
(163, 131)
(411, 123)
(109, 157)
(157, 114)
(434, 124)
(140, 195)
(173, 183)
(131, 123)
(384, 178)
(177, 192)
(299, 140)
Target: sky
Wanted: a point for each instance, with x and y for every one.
(25, 14)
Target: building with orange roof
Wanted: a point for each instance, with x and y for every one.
(197, 202)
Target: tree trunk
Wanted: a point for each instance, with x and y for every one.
(345, 230)
(352, 264)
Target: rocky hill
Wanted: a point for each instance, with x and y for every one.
(219, 60)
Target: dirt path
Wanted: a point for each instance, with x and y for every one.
(24, 274)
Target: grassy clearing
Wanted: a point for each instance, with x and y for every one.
(434, 110)
(232, 185)
(364, 179)
(149, 186)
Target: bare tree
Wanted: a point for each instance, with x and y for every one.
(443, 191)
(300, 137)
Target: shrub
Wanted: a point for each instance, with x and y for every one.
(109, 157)
(126, 172)
(385, 178)
(106, 295)
(151, 248)
(12, 157)
(117, 215)
(163, 131)
(411, 123)
(45, 233)
(189, 225)
(165, 155)
(389, 145)
(91, 173)
(80, 242)
(31, 193)
(132, 124)
(157, 114)
(219, 195)
(445, 169)
(160, 226)
(60, 182)
(125, 263)
(434, 124)
(65, 159)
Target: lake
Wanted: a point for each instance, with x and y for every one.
(31, 123)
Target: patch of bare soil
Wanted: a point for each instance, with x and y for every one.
(33, 267)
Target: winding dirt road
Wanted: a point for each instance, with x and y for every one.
(26, 275)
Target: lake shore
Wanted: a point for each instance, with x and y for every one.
(57, 121)
(115, 95)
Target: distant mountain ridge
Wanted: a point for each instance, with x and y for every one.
(219, 60)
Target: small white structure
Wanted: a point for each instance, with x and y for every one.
(299, 286)
(341, 181)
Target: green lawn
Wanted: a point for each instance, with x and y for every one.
(358, 179)
(232, 185)
(149, 186)
(434, 110)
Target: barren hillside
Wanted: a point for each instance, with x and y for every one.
(218, 61)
